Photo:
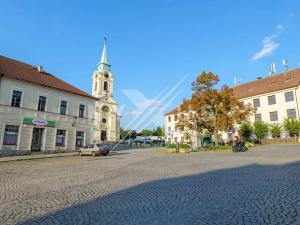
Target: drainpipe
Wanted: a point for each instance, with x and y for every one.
(297, 102)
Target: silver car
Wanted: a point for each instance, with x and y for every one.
(94, 150)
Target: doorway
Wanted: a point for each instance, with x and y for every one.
(37, 139)
(103, 135)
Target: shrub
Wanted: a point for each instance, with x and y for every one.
(249, 144)
(275, 130)
(260, 129)
(292, 126)
(220, 147)
(184, 146)
(171, 145)
(246, 130)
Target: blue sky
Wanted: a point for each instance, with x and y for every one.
(152, 45)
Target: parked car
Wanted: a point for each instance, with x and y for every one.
(94, 149)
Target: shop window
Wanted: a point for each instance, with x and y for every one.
(10, 135)
(60, 137)
(79, 138)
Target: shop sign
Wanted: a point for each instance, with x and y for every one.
(39, 122)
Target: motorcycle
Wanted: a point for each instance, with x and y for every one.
(239, 146)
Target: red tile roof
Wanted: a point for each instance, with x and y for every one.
(265, 85)
(21, 71)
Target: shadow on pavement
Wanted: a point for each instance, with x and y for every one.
(254, 194)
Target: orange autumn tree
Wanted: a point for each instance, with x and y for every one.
(214, 110)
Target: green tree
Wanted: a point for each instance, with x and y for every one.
(260, 129)
(159, 131)
(275, 130)
(215, 110)
(292, 126)
(146, 132)
(246, 130)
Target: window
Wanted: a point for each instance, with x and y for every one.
(272, 100)
(291, 113)
(182, 139)
(105, 108)
(169, 128)
(16, 99)
(273, 116)
(63, 107)
(175, 118)
(42, 103)
(105, 87)
(79, 138)
(169, 118)
(81, 110)
(257, 117)
(11, 135)
(289, 96)
(60, 137)
(96, 84)
(175, 139)
(256, 102)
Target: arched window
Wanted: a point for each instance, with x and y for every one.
(105, 87)
(105, 108)
(96, 84)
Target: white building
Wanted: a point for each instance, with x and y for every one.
(175, 134)
(275, 98)
(40, 112)
(107, 121)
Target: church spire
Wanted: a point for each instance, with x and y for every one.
(104, 55)
(103, 62)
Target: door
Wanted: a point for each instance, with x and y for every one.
(103, 135)
(37, 138)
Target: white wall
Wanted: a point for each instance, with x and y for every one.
(281, 105)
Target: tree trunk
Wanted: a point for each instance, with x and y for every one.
(216, 138)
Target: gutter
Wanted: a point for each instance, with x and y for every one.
(297, 102)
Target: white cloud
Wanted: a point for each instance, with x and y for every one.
(269, 44)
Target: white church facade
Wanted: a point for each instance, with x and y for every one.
(107, 121)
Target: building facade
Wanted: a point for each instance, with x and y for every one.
(39, 112)
(107, 121)
(275, 98)
(175, 134)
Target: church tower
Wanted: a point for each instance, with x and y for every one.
(107, 124)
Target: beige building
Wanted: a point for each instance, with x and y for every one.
(173, 133)
(40, 112)
(275, 98)
(107, 121)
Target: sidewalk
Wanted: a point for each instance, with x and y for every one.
(36, 156)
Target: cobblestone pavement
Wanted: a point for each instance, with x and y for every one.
(149, 187)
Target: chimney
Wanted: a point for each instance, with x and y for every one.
(40, 69)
